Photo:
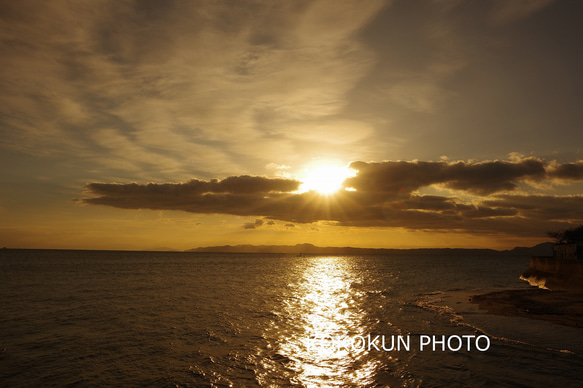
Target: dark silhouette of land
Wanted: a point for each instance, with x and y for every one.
(309, 249)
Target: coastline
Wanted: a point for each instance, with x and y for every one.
(526, 315)
(558, 307)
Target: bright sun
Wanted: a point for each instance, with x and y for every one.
(325, 178)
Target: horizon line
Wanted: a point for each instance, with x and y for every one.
(216, 248)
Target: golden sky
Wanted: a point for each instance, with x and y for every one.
(169, 124)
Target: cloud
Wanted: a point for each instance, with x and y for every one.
(231, 185)
(253, 225)
(386, 195)
(166, 88)
(509, 11)
(481, 178)
(567, 171)
(169, 90)
(542, 207)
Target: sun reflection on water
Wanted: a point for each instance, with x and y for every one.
(324, 305)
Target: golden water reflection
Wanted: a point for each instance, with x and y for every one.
(326, 305)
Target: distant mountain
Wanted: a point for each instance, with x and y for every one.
(544, 249)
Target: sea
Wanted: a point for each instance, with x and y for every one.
(183, 319)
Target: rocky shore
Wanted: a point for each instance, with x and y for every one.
(560, 307)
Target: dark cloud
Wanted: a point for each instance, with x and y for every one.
(478, 178)
(244, 184)
(542, 207)
(567, 171)
(490, 177)
(253, 225)
(384, 197)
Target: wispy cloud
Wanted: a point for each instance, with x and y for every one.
(225, 88)
(509, 11)
(179, 87)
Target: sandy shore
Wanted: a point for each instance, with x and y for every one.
(553, 306)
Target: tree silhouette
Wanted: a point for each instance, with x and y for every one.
(567, 236)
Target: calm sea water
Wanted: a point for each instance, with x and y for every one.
(84, 318)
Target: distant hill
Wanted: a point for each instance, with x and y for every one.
(544, 249)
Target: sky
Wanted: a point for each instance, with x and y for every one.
(147, 125)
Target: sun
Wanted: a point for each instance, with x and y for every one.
(325, 179)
